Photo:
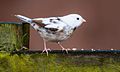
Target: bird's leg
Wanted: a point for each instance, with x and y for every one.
(63, 47)
(45, 47)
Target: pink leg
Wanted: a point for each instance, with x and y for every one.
(63, 47)
(45, 47)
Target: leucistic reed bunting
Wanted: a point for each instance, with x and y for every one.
(54, 29)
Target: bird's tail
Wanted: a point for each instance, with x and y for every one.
(23, 18)
(28, 20)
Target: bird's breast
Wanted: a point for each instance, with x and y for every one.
(55, 36)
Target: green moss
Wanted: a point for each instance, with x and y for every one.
(13, 36)
(57, 63)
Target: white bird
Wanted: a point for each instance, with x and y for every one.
(54, 29)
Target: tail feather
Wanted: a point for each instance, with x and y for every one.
(28, 20)
(23, 18)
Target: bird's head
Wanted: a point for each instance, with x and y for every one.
(74, 20)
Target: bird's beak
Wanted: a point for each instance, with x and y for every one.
(84, 20)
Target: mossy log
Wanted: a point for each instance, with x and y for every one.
(13, 36)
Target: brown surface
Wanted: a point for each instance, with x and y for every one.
(101, 31)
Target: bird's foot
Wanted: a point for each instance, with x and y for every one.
(65, 49)
(46, 50)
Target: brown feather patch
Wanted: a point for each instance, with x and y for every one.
(39, 23)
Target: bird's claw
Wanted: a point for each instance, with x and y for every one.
(64, 49)
(46, 50)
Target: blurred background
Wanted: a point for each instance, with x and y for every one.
(101, 31)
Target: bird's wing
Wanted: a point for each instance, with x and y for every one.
(52, 23)
(44, 20)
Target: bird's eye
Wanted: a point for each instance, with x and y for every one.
(77, 18)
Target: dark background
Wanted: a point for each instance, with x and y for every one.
(101, 31)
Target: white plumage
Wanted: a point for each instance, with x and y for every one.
(54, 29)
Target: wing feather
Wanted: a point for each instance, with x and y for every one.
(52, 23)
